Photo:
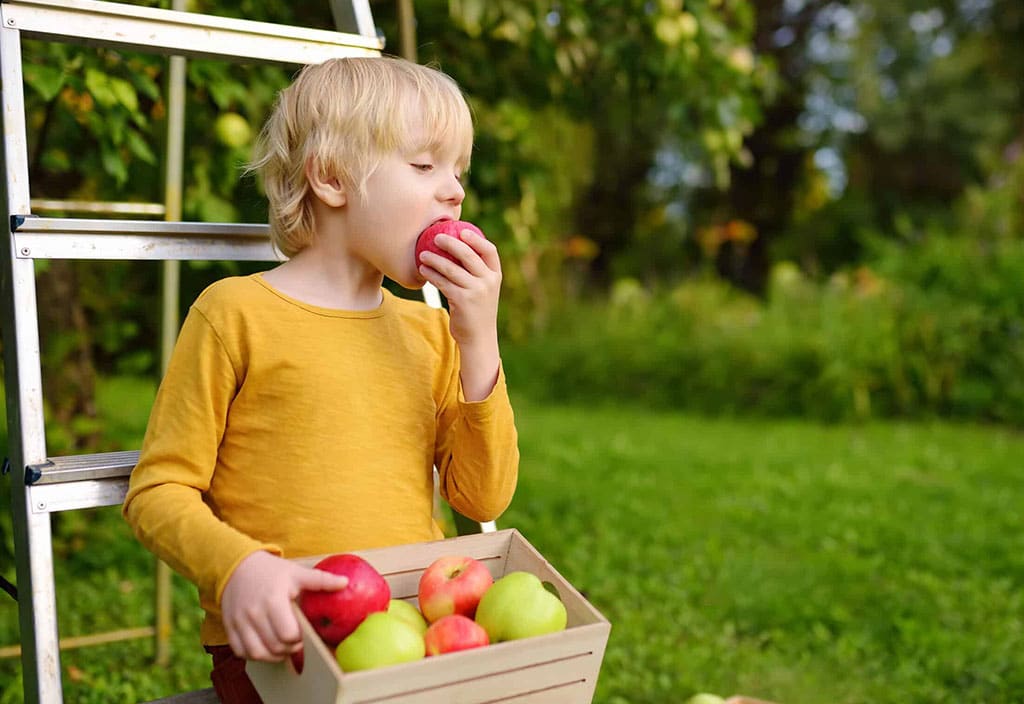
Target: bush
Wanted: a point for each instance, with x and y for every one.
(933, 330)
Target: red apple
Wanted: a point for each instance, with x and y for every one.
(454, 632)
(425, 242)
(452, 585)
(335, 614)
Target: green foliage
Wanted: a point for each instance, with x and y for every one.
(933, 329)
(605, 87)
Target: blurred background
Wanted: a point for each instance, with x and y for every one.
(781, 207)
(778, 231)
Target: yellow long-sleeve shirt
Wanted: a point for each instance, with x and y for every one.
(302, 430)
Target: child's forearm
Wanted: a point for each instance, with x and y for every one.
(479, 369)
(175, 524)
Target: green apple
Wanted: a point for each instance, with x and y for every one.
(408, 613)
(705, 698)
(518, 606)
(232, 130)
(381, 639)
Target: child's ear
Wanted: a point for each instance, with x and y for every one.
(327, 188)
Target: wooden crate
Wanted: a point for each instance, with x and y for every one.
(559, 668)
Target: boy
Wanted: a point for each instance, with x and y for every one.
(304, 407)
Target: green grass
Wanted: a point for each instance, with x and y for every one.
(802, 563)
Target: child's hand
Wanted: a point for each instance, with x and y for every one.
(471, 287)
(256, 605)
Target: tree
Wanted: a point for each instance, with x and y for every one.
(884, 112)
(639, 78)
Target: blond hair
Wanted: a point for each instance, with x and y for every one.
(346, 115)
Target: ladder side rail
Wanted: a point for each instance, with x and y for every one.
(37, 602)
(155, 30)
(354, 16)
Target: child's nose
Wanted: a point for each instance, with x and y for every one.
(453, 191)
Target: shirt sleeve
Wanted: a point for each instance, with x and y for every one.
(477, 451)
(165, 502)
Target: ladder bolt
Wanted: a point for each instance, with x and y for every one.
(25, 251)
(41, 505)
(10, 21)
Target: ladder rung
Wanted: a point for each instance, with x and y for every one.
(186, 33)
(201, 696)
(75, 468)
(80, 238)
(93, 206)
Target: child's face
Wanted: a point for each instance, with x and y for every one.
(403, 196)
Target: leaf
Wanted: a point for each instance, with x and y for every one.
(125, 93)
(138, 146)
(98, 85)
(146, 85)
(45, 80)
(113, 164)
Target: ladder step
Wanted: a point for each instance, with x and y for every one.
(84, 238)
(175, 32)
(201, 696)
(92, 206)
(76, 468)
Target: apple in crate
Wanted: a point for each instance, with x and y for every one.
(452, 633)
(381, 639)
(408, 613)
(520, 606)
(425, 242)
(452, 585)
(336, 614)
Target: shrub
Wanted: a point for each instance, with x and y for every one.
(933, 330)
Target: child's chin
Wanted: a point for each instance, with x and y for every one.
(414, 283)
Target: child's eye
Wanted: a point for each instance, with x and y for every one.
(423, 167)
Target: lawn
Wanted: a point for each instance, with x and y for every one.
(804, 563)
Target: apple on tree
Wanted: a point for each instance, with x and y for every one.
(705, 698)
(452, 585)
(336, 614)
(381, 639)
(519, 606)
(425, 242)
(452, 633)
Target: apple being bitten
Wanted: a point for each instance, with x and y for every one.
(425, 242)
(519, 606)
(452, 585)
(335, 614)
(452, 633)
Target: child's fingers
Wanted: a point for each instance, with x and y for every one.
(247, 643)
(440, 271)
(482, 246)
(284, 633)
(469, 250)
(319, 580)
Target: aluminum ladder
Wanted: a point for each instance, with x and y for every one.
(42, 485)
